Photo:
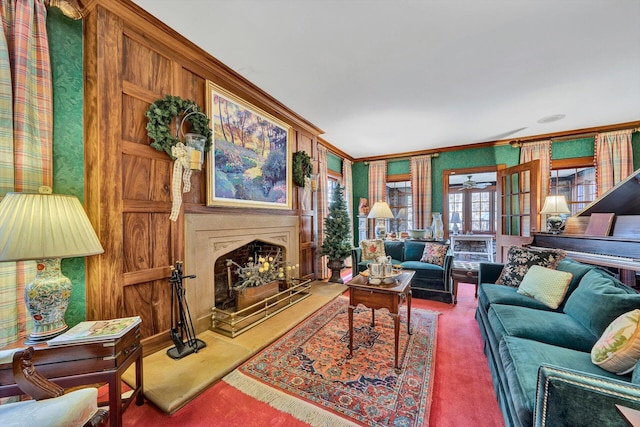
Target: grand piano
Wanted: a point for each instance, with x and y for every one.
(620, 249)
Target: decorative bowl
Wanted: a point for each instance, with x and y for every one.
(416, 234)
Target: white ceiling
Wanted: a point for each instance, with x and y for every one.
(395, 76)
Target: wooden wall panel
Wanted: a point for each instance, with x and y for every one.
(136, 180)
(131, 59)
(134, 130)
(146, 68)
(137, 242)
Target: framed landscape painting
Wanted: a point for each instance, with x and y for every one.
(249, 164)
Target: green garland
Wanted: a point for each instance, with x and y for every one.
(163, 111)
(301, 167)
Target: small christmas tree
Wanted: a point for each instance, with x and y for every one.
(337, 236)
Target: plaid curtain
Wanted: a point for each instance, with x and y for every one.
(614, 162)
(420, 169)
(377, 185)
(26, 116)
(347, 182)
(540, 150)
(613, 158)
(323, 208)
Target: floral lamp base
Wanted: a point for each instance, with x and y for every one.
(47, 299)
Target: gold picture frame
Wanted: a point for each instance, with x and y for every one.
(249, 164)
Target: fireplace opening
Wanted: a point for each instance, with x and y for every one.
(226, 278)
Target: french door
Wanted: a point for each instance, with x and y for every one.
(518, 200)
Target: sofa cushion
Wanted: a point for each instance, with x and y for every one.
(546, 285)
(434, 253)
(413, 250)
(522, 358)
(599, 300)
(545, 326)
(394, 249)
(577, 269)
(520, 259)
(372, 249)
(423, 270)
(489, 294)
(618, 349)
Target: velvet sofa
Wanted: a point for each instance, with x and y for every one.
(540, 358)
(431, 281)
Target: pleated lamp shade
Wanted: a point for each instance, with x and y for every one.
(41, 226)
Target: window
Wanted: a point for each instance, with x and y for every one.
(399, 200)
(331, 185)
(577, 184)
(476, 208)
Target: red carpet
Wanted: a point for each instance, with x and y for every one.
(311, 364)
(462, 393)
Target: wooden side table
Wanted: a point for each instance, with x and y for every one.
(82, 364)
(465, 272)
(390, 297)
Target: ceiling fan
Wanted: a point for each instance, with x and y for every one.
(471, 184)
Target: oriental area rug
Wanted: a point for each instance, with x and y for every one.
(307, 372)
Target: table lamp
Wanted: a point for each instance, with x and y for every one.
(380, 211)
(554, 206)
(455, 220)
(45, 227)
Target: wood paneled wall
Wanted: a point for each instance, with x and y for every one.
(131, 59)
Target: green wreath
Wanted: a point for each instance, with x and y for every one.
(163, 111)
(301, 167)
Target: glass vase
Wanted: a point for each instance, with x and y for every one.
(437, 226)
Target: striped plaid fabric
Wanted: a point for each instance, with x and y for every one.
(377, 185)
(613, 158)
(347, 182)
(614, 162)
(323, 207)
(539, 150)
(25, 135)
(420, 168)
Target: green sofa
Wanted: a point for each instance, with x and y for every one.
(430, 281)
(540, 358)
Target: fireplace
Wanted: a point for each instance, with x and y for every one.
(225, 277)
(210, 237)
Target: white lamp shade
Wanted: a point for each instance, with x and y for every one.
(43, 226)
(380, 210)
(455, 217)
(555, 205)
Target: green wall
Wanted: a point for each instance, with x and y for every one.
(65, 44)
(334, 163)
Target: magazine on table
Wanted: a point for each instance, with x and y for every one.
(95, 331)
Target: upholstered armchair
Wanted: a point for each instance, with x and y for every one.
(49, 405)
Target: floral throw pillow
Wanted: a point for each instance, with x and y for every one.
(434, 253)
(618, 349)
(372, 249)
(520, 259)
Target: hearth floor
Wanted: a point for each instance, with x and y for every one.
(170, 384)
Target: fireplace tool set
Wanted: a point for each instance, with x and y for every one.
(182, 327)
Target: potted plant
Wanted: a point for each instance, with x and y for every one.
(337, 235)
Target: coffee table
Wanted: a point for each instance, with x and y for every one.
(374, 297)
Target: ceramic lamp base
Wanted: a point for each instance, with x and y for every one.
(380, 229)
(47, 299)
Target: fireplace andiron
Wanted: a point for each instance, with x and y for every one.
(184, 323)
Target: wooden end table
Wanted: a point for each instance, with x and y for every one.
(465, 272)
(374, 297)
(82, 364)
